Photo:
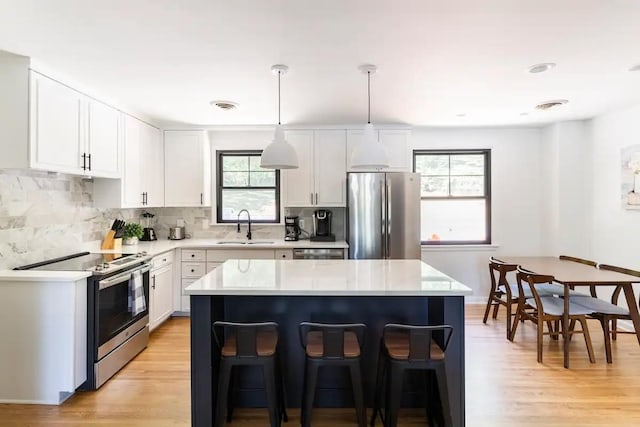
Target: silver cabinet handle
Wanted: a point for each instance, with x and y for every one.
(311, 194)
(89, 159)
(154, 283)
(201, 199)
(316, 198)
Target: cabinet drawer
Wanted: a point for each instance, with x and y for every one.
(225, 254)
(212, 266)
(193, 269)
(162, 260)
(194, 255)
(284, 254)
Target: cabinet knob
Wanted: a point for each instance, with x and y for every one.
(192, 270)
(164, 260)
(193, 255)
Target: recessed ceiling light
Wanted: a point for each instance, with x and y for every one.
(461, 115)
(541, 68)
(224, 105)
(550, 104)
(635, 68)
(524, 114)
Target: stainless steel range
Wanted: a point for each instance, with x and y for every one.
(117, 308)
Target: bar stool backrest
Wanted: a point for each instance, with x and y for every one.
(246, 335)
(332, 336)
(420, 338)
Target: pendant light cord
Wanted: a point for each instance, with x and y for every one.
(369, 96)
(279, 72)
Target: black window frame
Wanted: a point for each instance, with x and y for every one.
(219, 186)
(487, 194)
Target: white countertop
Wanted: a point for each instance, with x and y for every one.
(160, 246)
(327, 277)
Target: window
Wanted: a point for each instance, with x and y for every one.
(243, 184)
(455, 196)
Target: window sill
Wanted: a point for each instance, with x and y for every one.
(460, 248)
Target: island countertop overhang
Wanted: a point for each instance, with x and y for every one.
(244, 277)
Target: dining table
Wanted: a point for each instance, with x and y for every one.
(572, 274)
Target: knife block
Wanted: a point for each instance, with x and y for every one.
(109, 242)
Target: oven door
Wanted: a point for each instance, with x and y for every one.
(115, 321)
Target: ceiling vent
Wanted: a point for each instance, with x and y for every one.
(224, 105)
(550, 104)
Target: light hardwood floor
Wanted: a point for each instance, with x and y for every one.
(505, 386)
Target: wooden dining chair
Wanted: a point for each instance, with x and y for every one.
(501, 292)
(550, 309)
(608, 313)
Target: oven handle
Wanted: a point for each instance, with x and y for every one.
(103, 284)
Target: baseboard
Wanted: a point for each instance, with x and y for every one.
(475, 299)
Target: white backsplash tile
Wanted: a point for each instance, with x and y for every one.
(45, 215)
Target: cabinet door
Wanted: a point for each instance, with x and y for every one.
(297, 185)
(395, 142)
(132, 173)
(103, 144)
(56, 126)
(188, 157)
(162, 293)
(330, 168)
(153, 166)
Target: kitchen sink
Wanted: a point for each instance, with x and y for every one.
(246, 242)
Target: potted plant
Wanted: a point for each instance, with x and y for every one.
(132, 233)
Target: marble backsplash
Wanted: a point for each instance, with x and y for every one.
(45, 215)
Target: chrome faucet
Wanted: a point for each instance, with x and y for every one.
(248, 223)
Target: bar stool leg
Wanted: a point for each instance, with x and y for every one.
(443, 391)
(310, 378)
(430, 397)
(356, 385)
(231, 401)
(224, 377)
(273, 402)
(394, 394)
(379, 390)
(281, 389)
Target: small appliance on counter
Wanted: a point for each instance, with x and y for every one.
(322, 226)
(177, 233)
(291, 228)
(148, 233)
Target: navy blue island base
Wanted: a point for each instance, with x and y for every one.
(333, 387)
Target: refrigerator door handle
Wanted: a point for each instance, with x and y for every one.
(383, 223)
(387, 222)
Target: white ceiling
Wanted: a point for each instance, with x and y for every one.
(436, 59)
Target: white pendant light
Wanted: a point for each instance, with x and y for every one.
(279, 154)
(369, 154)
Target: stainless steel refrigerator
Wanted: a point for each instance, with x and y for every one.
(383, 210)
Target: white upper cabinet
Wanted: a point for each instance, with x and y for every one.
(395, 142)
(70, 132)
(57, 140)
(45, 124)
(320, 177)
(187, 168)
(103, 140)
(142, 183)
(297, 185)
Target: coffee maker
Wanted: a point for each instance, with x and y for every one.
(148, 233)
(322, 226)
(291, 228)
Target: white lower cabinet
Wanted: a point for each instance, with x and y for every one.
(161, 290)
(198, 262)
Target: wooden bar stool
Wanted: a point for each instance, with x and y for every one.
(332, 345)
(407, 347)
(249, 344)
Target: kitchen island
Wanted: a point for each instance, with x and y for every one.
(374, 292)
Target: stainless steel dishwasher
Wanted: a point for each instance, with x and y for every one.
(335, 253)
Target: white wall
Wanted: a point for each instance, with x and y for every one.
(615, 232)
(517, 188)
